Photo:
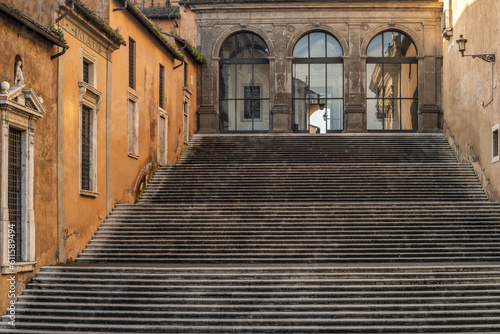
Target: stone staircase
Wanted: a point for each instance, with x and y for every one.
(287, 234)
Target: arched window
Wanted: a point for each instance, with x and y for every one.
(244, 84)
(392, 83)
(318, 92)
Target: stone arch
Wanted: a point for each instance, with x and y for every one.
(235, 30)
(310, 29)
(407, 31)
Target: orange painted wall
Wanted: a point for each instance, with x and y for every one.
(82, 214)
(42, 11)
(35, 53)
(149, 54)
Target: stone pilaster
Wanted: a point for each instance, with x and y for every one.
(355, 119)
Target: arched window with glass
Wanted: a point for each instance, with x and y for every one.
(318, 93)
(392, 83)
(244, 83)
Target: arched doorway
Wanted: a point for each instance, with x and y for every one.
(318, 94)
(244, 84)
(392, 83)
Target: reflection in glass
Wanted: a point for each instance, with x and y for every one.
(392, 86)
(318, 84)
(318, 45)
(301, 49)
(333, 47)
(244, 84)
(335, 81)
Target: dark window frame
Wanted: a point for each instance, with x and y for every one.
(15, 188)
(161, 85)
(131, 63)
(86, 181)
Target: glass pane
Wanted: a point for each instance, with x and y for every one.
(243, 45)
(318, 44)
(391, 80)
(408, 49)
(409, 81)
(262, 123)
(318, 80)
(373, 121)
(244, 78)
(335, 113)
(300, 87)
(261, 78)
(375, 47)
(374, 80)
(243, 124)
(301, 115)
(392, 44)
(333, 47)
(228, 48)
(301, 49)
(335, 81)
(409, 114)
(260, 48)
(317, 123)
(227, 83)
(227, 115)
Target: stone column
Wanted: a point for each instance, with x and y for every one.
(355, 113)
(429, 111)
(208, 115)
(281, 93)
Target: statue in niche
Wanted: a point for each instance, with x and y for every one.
(19, 76)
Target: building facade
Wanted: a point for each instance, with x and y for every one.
(353, 66)
(119, 101)
(471, 101)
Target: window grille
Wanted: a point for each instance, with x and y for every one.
(86, 69)
(15, 187)
(162, 75)
(252, 102)
(86, 148)
(131, 63)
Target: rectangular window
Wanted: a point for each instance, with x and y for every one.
(86, 71)
(495, 143)
(162, 139)
(252, 102)
(131, 63)
(87, 147)
(162, 85)
(133, 126)
(15, 188)
(185, 74)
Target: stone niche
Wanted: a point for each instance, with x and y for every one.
(20, 108)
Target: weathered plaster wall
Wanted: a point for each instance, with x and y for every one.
(35, 53)
(82, 214)
(149, 55)
(42, 11)
(468, 82)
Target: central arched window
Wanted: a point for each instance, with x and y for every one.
(244, 84)
(392, 82)
(318, 92)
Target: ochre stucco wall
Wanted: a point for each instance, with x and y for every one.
(42, 11)
(149, 54)
(35, 53)
(467, 82)
(82, 214)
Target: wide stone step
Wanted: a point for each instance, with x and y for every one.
(264, 299)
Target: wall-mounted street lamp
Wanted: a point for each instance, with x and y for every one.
(490, 58)
(462, 42)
